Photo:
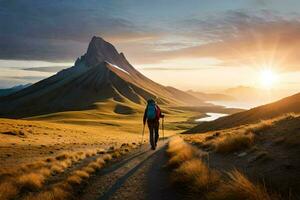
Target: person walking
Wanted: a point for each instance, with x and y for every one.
(152, 115)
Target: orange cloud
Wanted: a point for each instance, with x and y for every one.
(251, 41)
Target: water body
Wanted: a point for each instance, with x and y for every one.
(211, 117)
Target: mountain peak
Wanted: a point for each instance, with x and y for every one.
(96, 40)
(100, 50)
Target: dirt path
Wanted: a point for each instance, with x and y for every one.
(140, 175)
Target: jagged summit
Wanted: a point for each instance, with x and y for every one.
(100, 50)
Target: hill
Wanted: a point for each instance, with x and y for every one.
(278, 108)
(100, 75)
(211, 96)
(8, 91)
(266, 152)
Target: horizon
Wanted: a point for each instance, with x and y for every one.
(211, 47)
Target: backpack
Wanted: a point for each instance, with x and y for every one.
(151, 111)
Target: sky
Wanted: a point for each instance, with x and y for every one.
(205, 45)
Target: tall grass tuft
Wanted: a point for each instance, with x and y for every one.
(231, 143)
(194, 174)
(238, 187)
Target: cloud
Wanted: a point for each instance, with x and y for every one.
(239, 38)
(25, 78)
(60, 30)
(46, 69)
(174, 68)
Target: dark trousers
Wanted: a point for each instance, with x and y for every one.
(153, 126)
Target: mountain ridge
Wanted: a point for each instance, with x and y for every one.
(99, 75)
(11, 90)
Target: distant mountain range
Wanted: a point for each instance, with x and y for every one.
(8, 91)
(100, 75)
(252, 94)
(211, 96)
(289, 104)
(240, 94)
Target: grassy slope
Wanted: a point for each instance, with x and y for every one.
(191, 171)
(267, 151)
(41, 136)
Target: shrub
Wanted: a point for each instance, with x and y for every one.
(89, 170)
(31, 181)
(107, 157)
(192, 172)
(74, 180)
(231, 143)
(81, 174)
(239, 187)
(56, 168)
(55, 193)
(197, 174)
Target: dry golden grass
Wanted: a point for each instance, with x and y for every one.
(244, 137)
(8, 190)
(100, 151)
(32, 176)
(100, 161)
(181, 156)
(31, 181)
(56, 169)
(90, 153)
(237, 138)
(238, 187)
(89, 170)
(195, 174)
(107, 157)
(45, 172)
(179, 152)
(62, 156)
(95, 165)
(49, 160)
(81, 174)
(58, 192)
(190, 170)
(232, 143)
(266, 124)
(66, 163)
(74, 180)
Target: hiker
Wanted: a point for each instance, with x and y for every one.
(152, 114)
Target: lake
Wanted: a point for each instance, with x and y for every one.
(211, 117)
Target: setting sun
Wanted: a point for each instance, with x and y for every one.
(268, 78)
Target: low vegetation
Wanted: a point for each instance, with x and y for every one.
(29, 181)
(238, 138)
(193, 172)
(231, 143)
(239, 187)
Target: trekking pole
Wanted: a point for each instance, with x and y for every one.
(143, 134)
(163, 129)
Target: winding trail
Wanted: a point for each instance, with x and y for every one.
(140, 175)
